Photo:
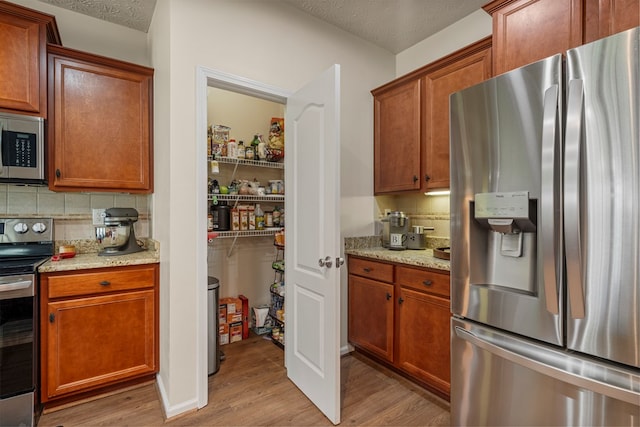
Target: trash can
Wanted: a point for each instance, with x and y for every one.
(213, 347)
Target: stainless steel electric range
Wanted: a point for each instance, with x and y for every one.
(24, 245)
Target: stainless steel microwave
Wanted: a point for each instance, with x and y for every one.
(22, 149)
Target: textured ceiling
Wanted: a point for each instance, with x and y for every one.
(394, 25)
(134, 14)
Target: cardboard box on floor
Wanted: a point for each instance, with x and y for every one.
(231, 319)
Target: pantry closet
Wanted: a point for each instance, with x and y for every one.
(242, 259)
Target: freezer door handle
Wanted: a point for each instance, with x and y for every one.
(572, 220)
(549, 191)
(559, 365)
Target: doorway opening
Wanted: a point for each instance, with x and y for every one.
(233, 89)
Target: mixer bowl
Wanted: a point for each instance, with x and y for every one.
(112, 236)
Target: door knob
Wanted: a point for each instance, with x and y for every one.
(326, 262)
(339, 261)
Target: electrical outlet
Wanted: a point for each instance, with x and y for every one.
(98, 216)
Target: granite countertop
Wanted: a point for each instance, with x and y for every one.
(419, 258)
(87, 257)
(371, 247)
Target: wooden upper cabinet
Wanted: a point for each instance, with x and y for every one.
(525, 31)
(411, 120)
(453, 73)
(396, 137)
(100, 123)
(23, 66)
(606, 17)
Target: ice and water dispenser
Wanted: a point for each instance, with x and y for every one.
(504, 230)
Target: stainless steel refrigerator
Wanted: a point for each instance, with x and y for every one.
(545, 242)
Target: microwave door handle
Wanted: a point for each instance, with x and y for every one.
(549, 184)
(572, 219)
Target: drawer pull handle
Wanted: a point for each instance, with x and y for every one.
(367, 270)
(427, 283)
(388, 296)
(105, 283)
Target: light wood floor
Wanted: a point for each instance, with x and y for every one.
(251, 389)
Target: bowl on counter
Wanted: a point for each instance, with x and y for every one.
(112, 236)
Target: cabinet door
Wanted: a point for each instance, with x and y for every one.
(22, 69)
(525, 31)
(423, 338)
(371, 316)
(397, 142)
(91, 342)
(100, 124)
(606, 17)
(471, 66)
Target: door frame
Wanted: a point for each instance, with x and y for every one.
(207, 77)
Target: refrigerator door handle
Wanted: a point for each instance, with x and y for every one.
(549, 180)
(572, 220)
(623, 386)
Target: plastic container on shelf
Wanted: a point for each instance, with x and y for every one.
(232, 149)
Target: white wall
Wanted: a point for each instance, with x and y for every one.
(470, 29)
(92, 35)
(271, 43)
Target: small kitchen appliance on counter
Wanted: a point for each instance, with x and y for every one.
(117, 236)
(398, 229)
(417, 239)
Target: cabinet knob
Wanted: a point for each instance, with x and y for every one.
(388, 296)
(415, 179)
(427, 177)
(105, 283)
(367, 270)
(58, 173)
(427, 283)
(400, 300)
(52, 317)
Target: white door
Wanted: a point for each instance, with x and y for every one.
(312, 279)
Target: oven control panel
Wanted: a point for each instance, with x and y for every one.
(25, 230)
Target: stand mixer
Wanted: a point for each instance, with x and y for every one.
(117, 236)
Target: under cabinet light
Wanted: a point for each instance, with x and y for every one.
(438, 193)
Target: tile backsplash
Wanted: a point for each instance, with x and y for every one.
(429, 211)
(71, 212)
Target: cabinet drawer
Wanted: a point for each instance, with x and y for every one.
(422, 280)
(87, 282)
(371, 269)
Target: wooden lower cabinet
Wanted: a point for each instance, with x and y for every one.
(371, 315)
(400, 316)
(99, 328)
(423, 338)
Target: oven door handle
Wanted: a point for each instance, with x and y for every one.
(15, 286)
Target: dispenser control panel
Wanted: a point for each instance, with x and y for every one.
(502, 205)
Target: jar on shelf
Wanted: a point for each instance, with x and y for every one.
(276, 216)
(241, 150)
(249, 153)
